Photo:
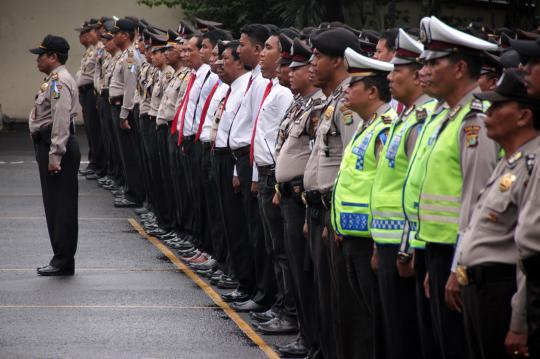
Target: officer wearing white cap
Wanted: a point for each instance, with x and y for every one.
(336, 302)
(368, 95)
(452, 66)
(57, 152)
(388, 221)
(494, 303)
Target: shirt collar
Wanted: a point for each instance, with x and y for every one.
(238, 81)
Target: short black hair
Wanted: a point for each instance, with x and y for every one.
(233, 45)
(390, 35)
(215, 35)
(199, 39)
(257, 33)
(474, 63)
(62, 58)
(380, 82)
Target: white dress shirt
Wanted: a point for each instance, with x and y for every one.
(240, 135)
(238, 87)
(203, 74)
(218, 96)
(273, 109)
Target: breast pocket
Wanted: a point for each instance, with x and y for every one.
(41, 98)
(499, 212)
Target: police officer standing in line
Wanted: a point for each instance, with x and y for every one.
(337, 306)
(487, 254)
(51, 125)
(121, 94)
(452, 62)
(397, 294)
(292, 153)
(89, 38)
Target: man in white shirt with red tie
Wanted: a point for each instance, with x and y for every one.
(272, 109)
(188, 124)
(252, 40)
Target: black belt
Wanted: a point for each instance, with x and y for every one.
(188, 138)
(86, 87)
(206, 145)
(220, 151)
(105, 93)
(152, 118)
(312, 198)
(43, 135)
(266, 170)
(488, 273)
(116, 101)
(296, 185)
(242, 151)
(532, 266)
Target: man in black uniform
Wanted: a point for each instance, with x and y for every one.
(57, 152)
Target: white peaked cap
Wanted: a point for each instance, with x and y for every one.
(360, 66)
(441, 40)
(408, 50)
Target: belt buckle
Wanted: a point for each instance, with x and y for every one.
(278, 192)
(304, 198)
(324, 202)
(461, 275)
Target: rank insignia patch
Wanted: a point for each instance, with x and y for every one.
(471, 133)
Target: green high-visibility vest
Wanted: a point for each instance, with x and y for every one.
(415, 175)
(351, 214)
(387, 193)
(440, 196)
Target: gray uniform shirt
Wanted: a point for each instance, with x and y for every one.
(56, 104)
(172, 95)
(144, 84)
(124, 81)
(336, 128)
(107, 69)
(158, 89)
(85, 75)
(489, 237)
(100, 56)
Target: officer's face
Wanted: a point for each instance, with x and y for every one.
(321, 68)
(158, 58)
(504, 119)
(357, 96)
(439, 77)
(299, 78)
(110, 47)
(230, 66)
(172, 55)
(532, 76)
(247, 50)
(206, 51)
(45, 63)
(382, 52)
(92, 36)
(283, 75)
(403, 80)
(120, 38)
(488, 82)
(269, 57)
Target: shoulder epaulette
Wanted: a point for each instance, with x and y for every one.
(386, 119)
(477, 105)
(530, 161)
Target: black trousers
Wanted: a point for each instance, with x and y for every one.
(60, 198)
(129, 148)
(192, 168)
(487, 311)
(398, 299)
(115, 159)
(319, 250)
(162, 178)
(265, 282)
(358, 299)
(142, 122)
(274, 232)
(104, 112)
(447, 324)
(184, 181)
(300, 266)
(176, 181)
(532, 268)
(234, 218)
(96, 156)
(425, 324)
(215, 226)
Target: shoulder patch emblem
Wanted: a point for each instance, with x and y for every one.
(471, 133)
(329, 112)
(507, 180)
(347, 117)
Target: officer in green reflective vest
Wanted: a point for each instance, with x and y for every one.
(368, 95)
(397, 293)
(460, 160)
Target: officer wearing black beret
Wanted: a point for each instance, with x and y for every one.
(51, 124)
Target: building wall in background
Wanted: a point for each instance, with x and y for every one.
(24, 23)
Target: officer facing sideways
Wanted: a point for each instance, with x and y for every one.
(57, 152)
(493, 300)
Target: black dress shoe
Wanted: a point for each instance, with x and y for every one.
(55, 271)
(227, 283)
(86, 171)
(278, 326)
(248, 306)
(141, 210)
(235, 296)
(125, 203)
(91, 176)
(156, 231)
(264, 316)
(293, 350)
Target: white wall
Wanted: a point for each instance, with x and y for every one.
(24, 23)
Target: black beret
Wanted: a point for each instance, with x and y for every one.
(52, 43)
(333, 42)
(301, 53)
(124, 25)
(286, 45)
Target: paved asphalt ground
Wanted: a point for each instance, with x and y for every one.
(127, 298)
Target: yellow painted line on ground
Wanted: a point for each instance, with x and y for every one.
(246, 328)
(97, 306)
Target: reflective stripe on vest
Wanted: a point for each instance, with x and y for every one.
(351, 214)
(441, 190)
(387, 193)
